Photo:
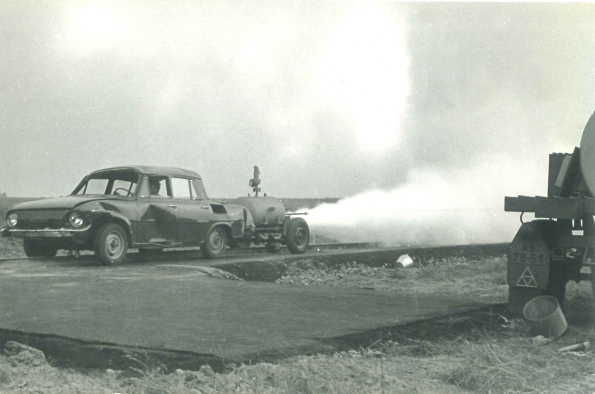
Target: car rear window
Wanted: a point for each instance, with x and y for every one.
(181, 188)
(198, 190)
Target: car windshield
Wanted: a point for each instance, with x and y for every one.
(114, 182)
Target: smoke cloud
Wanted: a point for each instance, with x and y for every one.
(432, 207)
(422, 116)
(490, 98)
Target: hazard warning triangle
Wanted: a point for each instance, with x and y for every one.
(527, 279)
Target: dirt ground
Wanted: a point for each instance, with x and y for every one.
(487, 351)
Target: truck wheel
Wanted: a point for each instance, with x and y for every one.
(110, 244)
(297, 236)
(38, 248)
(214, 245)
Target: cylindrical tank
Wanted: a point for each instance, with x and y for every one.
(587, 154)
(266, 211)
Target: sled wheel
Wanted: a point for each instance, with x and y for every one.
(297, 236)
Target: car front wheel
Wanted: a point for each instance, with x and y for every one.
(110, 244)
(38, 248)
(215, 243)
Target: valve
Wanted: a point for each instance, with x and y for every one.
(254, 182)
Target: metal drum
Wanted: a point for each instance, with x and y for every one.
(587, 155)
(266, 211)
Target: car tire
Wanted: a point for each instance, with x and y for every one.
(214, 245)
(297, 236)
(38, 248)
(110, 244)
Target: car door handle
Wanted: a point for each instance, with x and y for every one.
(207, 207)
(172, 206)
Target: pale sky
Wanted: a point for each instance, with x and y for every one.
(329, 99)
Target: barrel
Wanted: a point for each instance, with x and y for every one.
(266, 211)
(545, 316)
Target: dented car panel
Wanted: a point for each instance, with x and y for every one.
(156, 222)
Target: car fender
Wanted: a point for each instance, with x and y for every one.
(226, 225)
(99, 215)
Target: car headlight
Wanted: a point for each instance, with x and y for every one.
(76, 220)
(12, 219)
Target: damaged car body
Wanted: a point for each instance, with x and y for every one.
(149, 208)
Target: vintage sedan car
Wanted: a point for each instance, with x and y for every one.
(149, 208)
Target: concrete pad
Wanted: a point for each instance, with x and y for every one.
(177, 307)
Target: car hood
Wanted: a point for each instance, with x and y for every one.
(67, 202)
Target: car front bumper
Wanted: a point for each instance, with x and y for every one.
(43, 233)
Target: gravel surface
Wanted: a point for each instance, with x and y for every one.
(455, 275)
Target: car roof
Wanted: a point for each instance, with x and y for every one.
(155, 170)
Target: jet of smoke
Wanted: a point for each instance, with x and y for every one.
(432, 208)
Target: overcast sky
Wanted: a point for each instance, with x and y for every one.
(329, 99)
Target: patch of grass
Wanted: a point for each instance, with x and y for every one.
(508, 362)
(403, 274)
(515, 365)
(487, 271)
(457, 275)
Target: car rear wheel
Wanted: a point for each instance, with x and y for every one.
(215, 243)
(298, 236)
(110, 244)
(38, 248)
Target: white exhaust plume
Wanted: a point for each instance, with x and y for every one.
(432, 208)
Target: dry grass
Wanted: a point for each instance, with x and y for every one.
(485, 279)
(507, 362)
(515, 365)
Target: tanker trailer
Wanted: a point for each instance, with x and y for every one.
(554, 248)
(269, 223)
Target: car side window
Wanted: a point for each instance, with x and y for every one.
(198, 190)
(155, 187)
(181, 188)
(144, 188)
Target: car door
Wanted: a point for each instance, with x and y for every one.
(193, 210)
(157, 216)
